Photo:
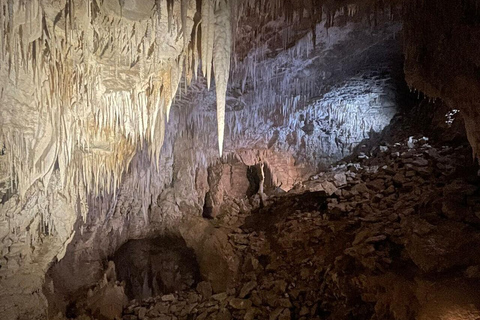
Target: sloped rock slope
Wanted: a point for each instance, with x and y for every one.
(391, 234)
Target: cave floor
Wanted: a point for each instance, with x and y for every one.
(393, 234)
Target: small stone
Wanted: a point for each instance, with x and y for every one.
(220, 296)
(193, 297)
(399, 179)
(203, 315)
(377, 185)
(304, 311)
(411, 142)
(329, 187)
(205, 289)
(389, 170)
(223, 314)
(247, 288)
(377, 198)
(240, 304)
(142, 312)
(250, 314)
(389, 190)
(281, 286)
(410, 173)
(255, 298)
(421, 162)
(340, 179)
(168, 297)
(158, 309)
(275, 314)
(285, 315)
(251, 264)
(284, 303)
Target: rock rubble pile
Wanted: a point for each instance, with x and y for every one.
(391, 236)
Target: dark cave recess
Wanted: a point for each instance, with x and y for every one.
(152, 267)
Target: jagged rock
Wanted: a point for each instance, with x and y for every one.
(285, 315)
(399, 179)
(445, 247)
(168, 297)
(220, 296)
(285, 303)
(240, 304)
(255, 298)
(158, 309)
(205, 289)
(340, 179)
(247, 288)
(142, 312)
(223, 314)
(250, 314)
(420, 162)
(389, 190)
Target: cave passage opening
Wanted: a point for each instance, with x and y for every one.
(156, 266)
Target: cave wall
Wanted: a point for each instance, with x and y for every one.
(312, 121)
(69, 76)
(174, 196)
(442, 40)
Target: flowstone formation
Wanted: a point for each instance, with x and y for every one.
(87, 82)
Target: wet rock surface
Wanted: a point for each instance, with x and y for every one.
(393, 234)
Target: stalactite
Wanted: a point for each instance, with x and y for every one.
(80, 62)
(208, 38)
(221, 62)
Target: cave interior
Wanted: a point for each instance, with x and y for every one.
(239, 159)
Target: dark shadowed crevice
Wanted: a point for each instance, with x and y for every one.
(253, 179)
(152, 267)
